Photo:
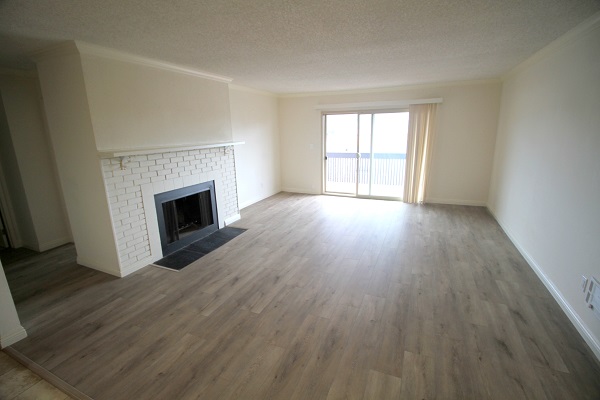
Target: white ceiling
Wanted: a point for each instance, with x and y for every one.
(288, 46)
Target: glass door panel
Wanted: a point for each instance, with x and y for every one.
(390, 133)
(364, 151)
(341, 148)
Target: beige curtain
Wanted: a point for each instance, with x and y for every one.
(418, 152)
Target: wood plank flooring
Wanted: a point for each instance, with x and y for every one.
(322, 298)
(19, 383)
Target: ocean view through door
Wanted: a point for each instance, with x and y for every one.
(365, 154)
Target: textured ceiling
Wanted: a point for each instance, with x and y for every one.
(287, 46)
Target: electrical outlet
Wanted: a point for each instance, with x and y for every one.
(592, 297)
(584, 282)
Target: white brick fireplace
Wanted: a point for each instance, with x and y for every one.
(132, 181)
(169, 126)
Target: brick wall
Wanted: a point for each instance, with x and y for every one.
(165, 171)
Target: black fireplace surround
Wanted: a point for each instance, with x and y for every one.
(186, 215)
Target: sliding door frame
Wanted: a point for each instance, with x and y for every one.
(358, 113)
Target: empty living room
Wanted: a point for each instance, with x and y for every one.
(299, 200)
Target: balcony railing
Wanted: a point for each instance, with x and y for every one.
(388, 169)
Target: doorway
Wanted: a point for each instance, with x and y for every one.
(365, 154)
(4, 240)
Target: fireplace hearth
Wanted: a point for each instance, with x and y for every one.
(186, 215)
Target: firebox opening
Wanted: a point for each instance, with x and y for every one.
(186, 215)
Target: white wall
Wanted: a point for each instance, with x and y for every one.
(45, 225)
(463, 148)
(72, 137)
(11, 330)
(254, 120)
(545, 190)
(133, 105)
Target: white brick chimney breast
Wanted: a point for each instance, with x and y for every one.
(131, 193)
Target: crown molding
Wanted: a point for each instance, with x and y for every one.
(585, 27)
(248, 89)
(104, 52)
(394, 88)
(82, 48)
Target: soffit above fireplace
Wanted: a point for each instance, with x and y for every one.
(154, 150)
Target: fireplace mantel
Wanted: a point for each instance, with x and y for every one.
(154, 150)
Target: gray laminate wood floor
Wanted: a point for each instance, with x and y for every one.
(19, 383)
(322, 298)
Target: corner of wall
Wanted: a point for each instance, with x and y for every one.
(549, 211)
(10, 338)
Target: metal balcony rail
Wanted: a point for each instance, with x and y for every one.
(388, 168)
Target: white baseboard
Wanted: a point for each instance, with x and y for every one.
(298, 190)
(456, 202)
(13, 337)
(247, 203)
(122, 272)
(53, 243)
(581, 327)
(232, 219)
(90, 264)
(256, 200)
(137, 266)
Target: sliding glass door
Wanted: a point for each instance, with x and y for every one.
(365, 153)
(341, 153)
